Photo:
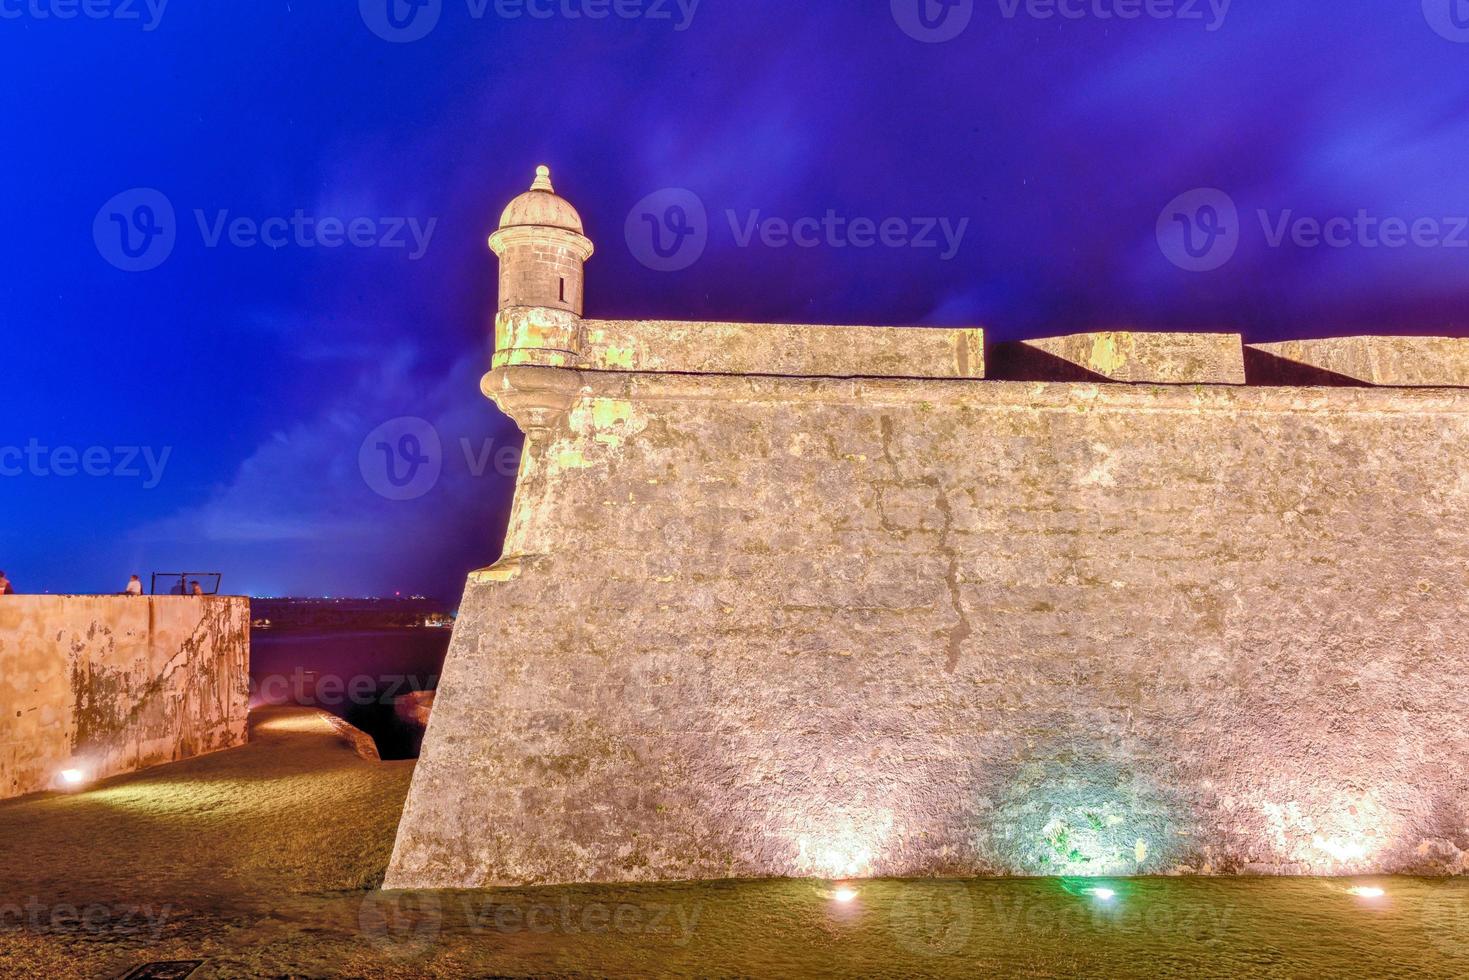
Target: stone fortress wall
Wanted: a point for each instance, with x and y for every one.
(112, 684)
(838, 602)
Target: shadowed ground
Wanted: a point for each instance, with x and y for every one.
(262, 862)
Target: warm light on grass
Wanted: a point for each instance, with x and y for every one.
(73, 777)
(1366, 891)
(844, 894)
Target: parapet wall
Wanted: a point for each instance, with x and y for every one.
(557, 338)
(1386, 361)
(112, 684)
(541, 337)
(790, 350)
(768, 626)
(1127, 356)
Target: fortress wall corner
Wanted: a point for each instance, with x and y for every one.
(785, 600)
(829, 628)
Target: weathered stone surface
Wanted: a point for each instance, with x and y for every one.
(751, 627)
(361, 742)
(869, 616)
(1423, 362)
(414, 709)
(110, 684)
(791, 350)
(1156, 358)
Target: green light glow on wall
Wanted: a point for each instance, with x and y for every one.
(1095, 840)
(1067, 817)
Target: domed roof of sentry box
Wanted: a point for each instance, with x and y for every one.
(542, 207)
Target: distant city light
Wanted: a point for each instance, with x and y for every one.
(1366, 891)
(844, 894)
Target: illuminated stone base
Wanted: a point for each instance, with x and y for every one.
(821, 627)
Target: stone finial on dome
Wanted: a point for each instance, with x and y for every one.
(541, 207)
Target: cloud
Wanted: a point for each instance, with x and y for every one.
(302, 495)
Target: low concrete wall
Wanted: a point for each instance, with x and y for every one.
(111, 684)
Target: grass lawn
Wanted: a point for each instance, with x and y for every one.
(263, 861)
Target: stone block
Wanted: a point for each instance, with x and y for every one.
(787, 350)
(1424, 362)
(1126, 356)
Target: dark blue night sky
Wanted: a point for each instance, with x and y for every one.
(210, 412)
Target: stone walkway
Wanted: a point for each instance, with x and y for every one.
(261, 862)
